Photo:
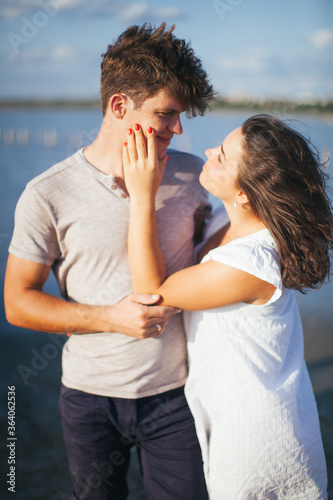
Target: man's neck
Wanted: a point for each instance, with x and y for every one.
(105, 153)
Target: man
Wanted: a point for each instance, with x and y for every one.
(124, 366)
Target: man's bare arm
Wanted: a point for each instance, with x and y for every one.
(28, 306)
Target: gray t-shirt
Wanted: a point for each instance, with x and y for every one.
(75, 219)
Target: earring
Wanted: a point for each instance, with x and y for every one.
(235, 204)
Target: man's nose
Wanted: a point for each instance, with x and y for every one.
(176, 127)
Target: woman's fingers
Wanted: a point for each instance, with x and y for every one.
(143, 172)
(140, 140)
(131, 145)
(141, 148)
(126, 160)
(137, 146)
(153, 153)
(151, 145)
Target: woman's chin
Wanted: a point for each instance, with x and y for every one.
(202, 181)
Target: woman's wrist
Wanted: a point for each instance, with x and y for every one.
(142, 200)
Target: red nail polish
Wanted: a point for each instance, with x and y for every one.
(168, 158)
(125, 144)
(130, 131)
(150, 130)
(136, 126)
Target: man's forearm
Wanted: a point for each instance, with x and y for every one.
(136, 315)
(37, 310)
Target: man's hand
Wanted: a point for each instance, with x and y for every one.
(139, 315)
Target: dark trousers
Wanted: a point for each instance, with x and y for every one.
(99, 432)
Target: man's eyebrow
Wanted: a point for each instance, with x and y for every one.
(222, 151)
(169, 110)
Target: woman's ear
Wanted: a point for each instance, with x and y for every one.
(241, 198)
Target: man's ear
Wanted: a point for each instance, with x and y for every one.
(118, 105)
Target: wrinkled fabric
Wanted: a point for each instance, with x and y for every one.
(75, 219)
(249, 389)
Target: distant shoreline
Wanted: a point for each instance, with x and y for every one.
(221, 104)
(50, 104)
(277, 105)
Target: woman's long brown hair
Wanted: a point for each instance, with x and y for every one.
(282, 176)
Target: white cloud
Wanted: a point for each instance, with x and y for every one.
(59, 53)
(140, 12)
(21, 8)
(69, 4)
(64, 53)
(127, 13)
(134, 12)
(103, 8)
(169, 12)
(273, 75)
(10, 11)
(254, 62)
(322, 39)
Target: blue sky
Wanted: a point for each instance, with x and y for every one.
(252, 48)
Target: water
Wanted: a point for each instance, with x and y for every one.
(30, 142)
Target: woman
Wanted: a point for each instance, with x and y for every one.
(248, 385)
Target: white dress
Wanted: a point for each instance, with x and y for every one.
(249, 389)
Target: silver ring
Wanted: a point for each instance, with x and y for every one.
(158, 327)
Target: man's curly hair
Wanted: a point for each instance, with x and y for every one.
(144, 59)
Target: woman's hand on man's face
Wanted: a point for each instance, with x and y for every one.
(143, 172)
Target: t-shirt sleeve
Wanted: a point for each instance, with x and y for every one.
(260, 260)
(34, 237)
